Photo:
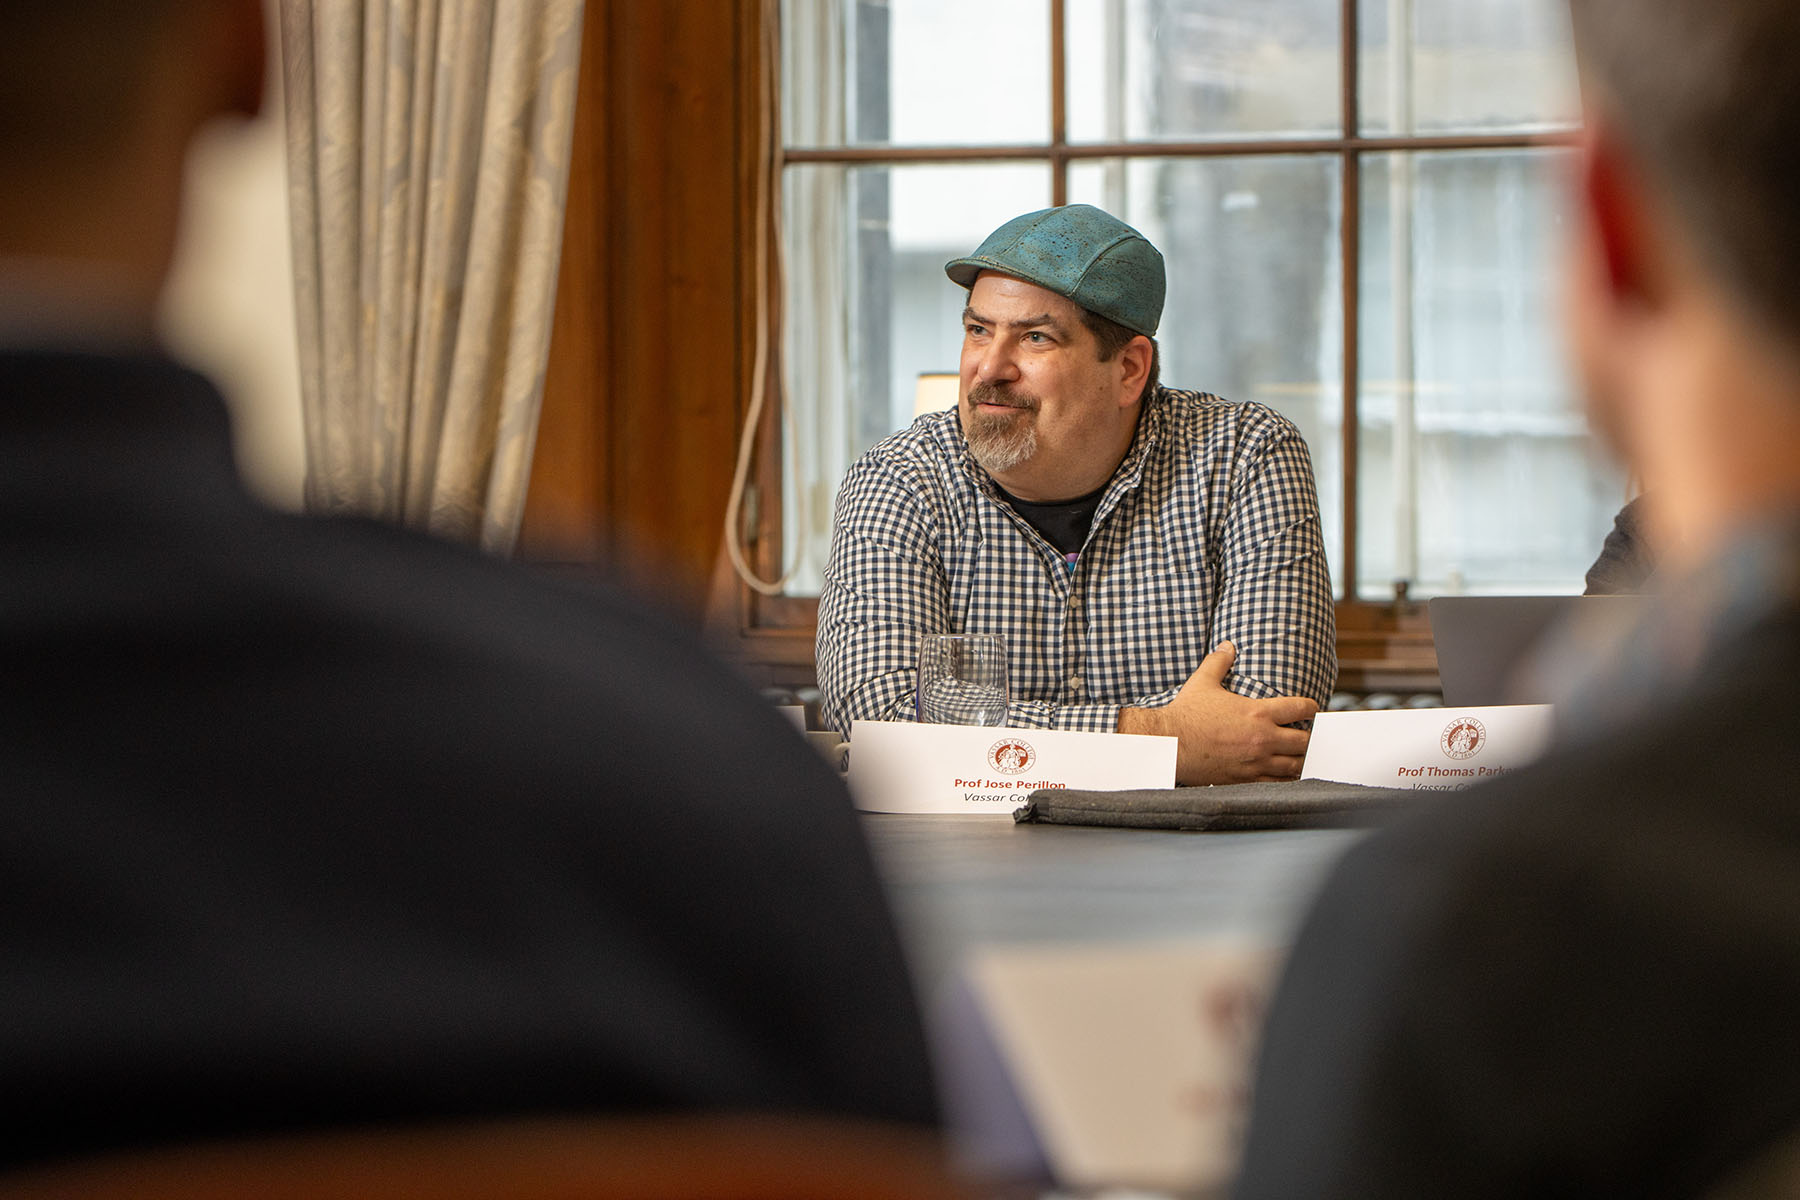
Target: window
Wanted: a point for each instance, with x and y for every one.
(1357, 200)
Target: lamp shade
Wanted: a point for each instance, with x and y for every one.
(935, 393)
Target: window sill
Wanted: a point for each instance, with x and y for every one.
(1381, 648)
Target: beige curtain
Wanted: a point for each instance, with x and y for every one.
(817, 269)
(428, 165)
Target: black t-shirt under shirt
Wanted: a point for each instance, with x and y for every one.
(1063, 523)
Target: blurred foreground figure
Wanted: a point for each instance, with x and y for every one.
(1585, 980)
(313, 825)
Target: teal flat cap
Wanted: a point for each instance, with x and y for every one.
(1078, 251)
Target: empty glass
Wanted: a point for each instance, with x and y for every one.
(962, 679)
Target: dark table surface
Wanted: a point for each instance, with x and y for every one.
(960, 883)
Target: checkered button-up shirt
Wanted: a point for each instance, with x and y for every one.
(1208, 532)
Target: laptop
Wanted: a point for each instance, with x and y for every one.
(1486, 645)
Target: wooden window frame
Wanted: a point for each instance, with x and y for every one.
(659, 83)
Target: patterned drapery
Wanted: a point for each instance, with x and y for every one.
(428, 162)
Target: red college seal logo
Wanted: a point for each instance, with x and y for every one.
(1011, 756)
(1463, 738)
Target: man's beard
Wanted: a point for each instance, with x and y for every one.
(1000, 441)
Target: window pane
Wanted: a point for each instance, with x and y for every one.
(1192, 69)
(1255, 304)
(869, 309)
(1476, 470)
(1443, 66)
(866, 72)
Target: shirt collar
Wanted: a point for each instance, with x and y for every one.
(1149, 433)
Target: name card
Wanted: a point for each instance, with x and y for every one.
(898, 766)
(1132, 1063)
(1426, 749)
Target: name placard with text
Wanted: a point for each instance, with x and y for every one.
(1132, 1062)
(1426, 749)
(901, 767)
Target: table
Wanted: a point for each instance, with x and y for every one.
(959, 883)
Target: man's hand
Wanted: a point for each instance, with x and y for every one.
(1225, 737)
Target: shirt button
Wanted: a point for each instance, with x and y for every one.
(1074, 683)
(1074, 600)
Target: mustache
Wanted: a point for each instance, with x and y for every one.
(987, 393)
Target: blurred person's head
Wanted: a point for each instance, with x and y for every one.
(99, 100)
(1684, 280)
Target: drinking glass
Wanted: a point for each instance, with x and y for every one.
(962, 679)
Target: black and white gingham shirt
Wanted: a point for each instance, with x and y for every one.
(1208, 532)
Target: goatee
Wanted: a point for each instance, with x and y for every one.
(1000, 441)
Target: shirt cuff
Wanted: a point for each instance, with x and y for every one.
(1092, 718)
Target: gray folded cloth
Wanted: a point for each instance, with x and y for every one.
(1296, 804)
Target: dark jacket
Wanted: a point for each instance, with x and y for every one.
(318, 823)
(1580, 981)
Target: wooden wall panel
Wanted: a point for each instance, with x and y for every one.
(566, 504)
(651, 348)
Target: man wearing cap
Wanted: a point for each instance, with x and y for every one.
(1151, 556)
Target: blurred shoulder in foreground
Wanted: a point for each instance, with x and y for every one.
(323, 825)
(1581, 980)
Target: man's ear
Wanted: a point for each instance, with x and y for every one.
(1616, 213)
(1617, 280)
(1134, 368)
